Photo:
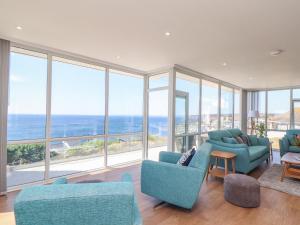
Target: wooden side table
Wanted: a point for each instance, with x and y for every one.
(214, 170)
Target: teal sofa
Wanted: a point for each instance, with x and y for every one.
(104, 203)
(285, 144)
(248, 157)
(175, 184)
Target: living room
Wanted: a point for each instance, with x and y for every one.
(149, 112)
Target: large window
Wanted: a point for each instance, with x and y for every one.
(157, 115)
(77, 107)
(27, 95)
(226, 107)
(125, 116)
(63, 133)
(26, 117)
(209, 106)
(237, 109)
(278, 114)
(186, 111)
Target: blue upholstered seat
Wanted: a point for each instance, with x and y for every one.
(248, 157)
(172, 183)
(104, 203)
(285, 145)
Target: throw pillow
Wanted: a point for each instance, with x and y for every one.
(292, 139)
(239, 140)
(253, 140)
(229, 140)
(245, 139)
(186, 157)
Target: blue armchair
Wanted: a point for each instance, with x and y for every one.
(77, 204)
(172, 183)
(248, 157)
(285, 144)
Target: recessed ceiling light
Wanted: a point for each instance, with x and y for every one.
(19, 28)
(224, 64)
(167, 33)
(276, 52)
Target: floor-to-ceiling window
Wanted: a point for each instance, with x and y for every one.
(77, 110)
(237, 109)
(26, 117)
(125, 123)
(187, 112)
(278, 118)
(209, 107)
(157, 115)
(67, 116)
(226, 117)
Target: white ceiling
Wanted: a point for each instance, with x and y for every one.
(204, 34)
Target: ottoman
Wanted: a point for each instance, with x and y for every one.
(242, 190)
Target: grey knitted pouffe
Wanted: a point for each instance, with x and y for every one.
(242, 190)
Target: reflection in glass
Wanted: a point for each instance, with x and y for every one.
(160, 80)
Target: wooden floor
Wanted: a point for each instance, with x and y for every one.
(211, 209)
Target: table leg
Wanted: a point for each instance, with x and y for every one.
(226, 167)
(283, 171)
(233, 165)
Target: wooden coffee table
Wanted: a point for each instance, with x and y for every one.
(291, 165)
(219, 172)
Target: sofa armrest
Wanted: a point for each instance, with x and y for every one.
(263, 141)
(164, 177)
(169, 157)
(283, 145)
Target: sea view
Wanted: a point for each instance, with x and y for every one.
(22, 127)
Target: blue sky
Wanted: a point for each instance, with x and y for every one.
(75, 90)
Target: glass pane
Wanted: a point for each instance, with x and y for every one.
(27, 97)
(209, 106)
(123, 149)
(180, 117)
(185, 143)
(190, 85)
(80, 112)
(25, 163)
(226, 107)
(237, 109)
(274, 137)
(261, 110)
(297, 114)
(161, 80)
(278, 110)
(158, 123)
(68, 157)
(296, 93)
(125, 103)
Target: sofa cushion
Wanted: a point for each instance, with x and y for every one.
(253, 140)
(230, 140)
(294, 149)
(235, 132)
(293, 132)
(219, 134)
(256, 152)
(245, 139)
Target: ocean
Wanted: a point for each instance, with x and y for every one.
(27, 127)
